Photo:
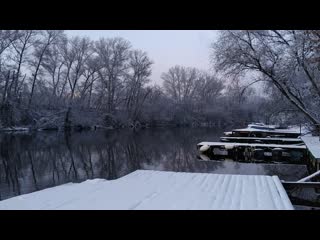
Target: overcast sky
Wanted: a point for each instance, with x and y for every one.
(190, 48)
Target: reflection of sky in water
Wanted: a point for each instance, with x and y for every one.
(30, 162)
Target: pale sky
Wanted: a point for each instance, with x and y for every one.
(167, 48)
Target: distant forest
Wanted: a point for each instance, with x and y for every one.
(51, 81)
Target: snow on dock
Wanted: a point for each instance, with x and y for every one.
(231, 145)
(155, 190)
(313, 145)
(256, 139)
(292, 132)
(293, 140)
(280, 131)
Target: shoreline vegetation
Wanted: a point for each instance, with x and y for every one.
(137, 126)
(49, 80)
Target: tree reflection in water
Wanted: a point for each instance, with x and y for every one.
(35, 161)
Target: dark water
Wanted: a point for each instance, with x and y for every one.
(34, 161)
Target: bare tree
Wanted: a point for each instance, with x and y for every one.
(140, 71)
(180, 83)
(280, 57)
(41, 47)
(21, 46)
(53, 64)
(113, 57)
(75, 56)
(90, 75)
(209, 88)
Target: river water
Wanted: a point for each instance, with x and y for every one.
(33, 161)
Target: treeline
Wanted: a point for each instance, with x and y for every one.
(49, 80)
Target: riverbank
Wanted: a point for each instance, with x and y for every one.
(305, 130)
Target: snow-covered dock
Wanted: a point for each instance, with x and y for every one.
(145, 189)
(251, 152)
(250, 129)
(255, 132)
(261, 145)
(262, 140)
(313, 146)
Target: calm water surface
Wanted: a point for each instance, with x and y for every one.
(35, 161)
